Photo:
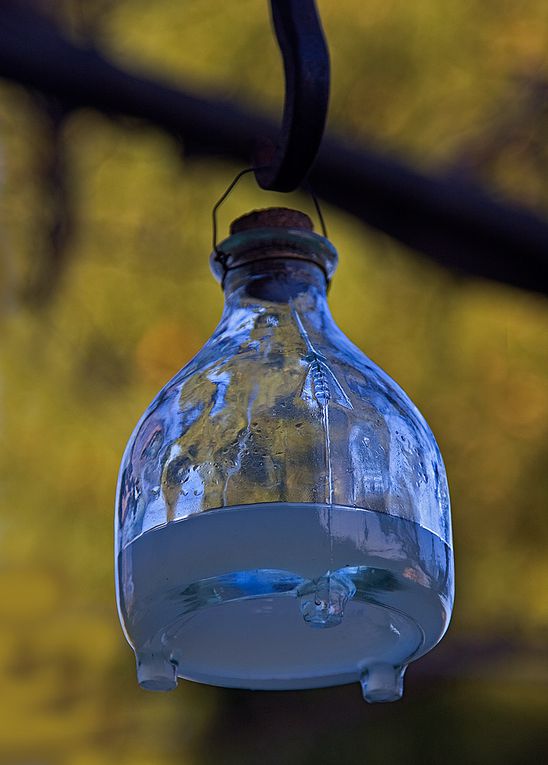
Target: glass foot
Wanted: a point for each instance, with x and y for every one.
(382, 682)
(155, 672)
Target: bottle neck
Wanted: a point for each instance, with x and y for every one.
(283, 281)
(274, 276)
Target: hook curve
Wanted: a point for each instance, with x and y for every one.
(283, 166)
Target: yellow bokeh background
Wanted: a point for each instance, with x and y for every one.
(450, 88)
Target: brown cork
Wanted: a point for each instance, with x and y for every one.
(272, 217)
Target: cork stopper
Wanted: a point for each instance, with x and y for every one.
(274, 234)
(272, 217)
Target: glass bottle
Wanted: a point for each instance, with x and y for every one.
(283, 515)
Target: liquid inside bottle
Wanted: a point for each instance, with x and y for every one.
(297, 596)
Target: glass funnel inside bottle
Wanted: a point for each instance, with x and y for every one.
(283, 515)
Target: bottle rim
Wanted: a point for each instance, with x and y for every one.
(273, 243)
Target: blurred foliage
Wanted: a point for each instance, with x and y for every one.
(460, 86)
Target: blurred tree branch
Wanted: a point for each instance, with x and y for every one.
(58, 210)
(451, 221)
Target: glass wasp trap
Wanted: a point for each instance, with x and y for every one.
(283, 515)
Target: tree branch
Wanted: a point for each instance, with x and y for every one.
(454, 223)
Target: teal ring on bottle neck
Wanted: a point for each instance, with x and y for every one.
(262, 244)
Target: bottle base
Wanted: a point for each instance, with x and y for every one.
(345, 596)
(307, 637)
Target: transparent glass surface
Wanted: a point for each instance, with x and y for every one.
(282, 516)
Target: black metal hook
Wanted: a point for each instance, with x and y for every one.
(284, 166)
